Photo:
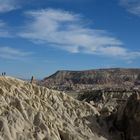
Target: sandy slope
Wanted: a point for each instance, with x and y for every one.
(30, 112)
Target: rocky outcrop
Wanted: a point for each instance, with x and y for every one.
(128, 118)
(137, 82)
(104, 99)
(30, 112)
(120, 110)
(83, 80)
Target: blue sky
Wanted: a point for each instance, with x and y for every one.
(39, 37)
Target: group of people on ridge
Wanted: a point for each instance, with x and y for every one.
(3, 74)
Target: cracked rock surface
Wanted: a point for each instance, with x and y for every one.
(30, 112)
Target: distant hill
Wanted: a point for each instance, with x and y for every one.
(82, 80)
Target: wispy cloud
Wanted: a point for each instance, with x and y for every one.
(133, 6)
(120, 52)
(8, 5)
(12, 53)
(68, 31)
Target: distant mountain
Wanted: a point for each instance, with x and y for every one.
(83, 80)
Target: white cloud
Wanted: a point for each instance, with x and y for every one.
(119, 52)
(133, 6)
(8, 5)
(68, 31)
(12, 53)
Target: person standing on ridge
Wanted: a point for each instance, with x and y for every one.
(32, 79)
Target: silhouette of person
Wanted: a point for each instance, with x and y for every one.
(32, 79)
(3, 73)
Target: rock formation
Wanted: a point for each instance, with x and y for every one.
(128, 118)
(120, 110)
(83, 80)
(107, 98)
(30, 112)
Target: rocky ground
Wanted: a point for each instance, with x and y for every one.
(119, 110)
(31, 112)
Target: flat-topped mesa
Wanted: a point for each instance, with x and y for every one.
(33, 112)
(81, 80)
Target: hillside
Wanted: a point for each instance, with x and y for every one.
(82, 80)
(30, 112)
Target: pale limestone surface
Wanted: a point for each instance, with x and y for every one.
(30, 112)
